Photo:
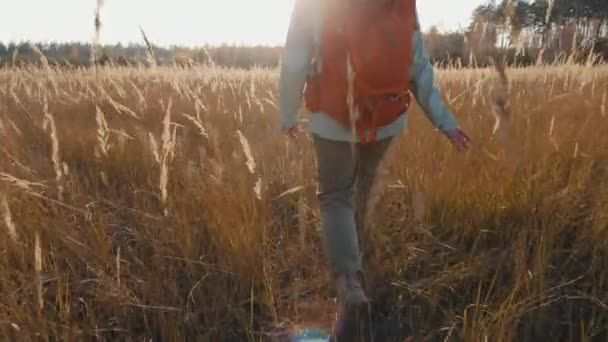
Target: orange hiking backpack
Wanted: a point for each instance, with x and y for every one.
(362, 65)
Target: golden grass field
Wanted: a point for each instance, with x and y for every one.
(164, 204)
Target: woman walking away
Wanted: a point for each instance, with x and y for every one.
(357, 64)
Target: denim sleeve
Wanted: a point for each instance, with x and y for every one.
(425, 90)
(295, 62)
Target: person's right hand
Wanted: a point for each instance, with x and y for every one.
(458, 138)
(295, 131)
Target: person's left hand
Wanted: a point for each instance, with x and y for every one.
(458, 138)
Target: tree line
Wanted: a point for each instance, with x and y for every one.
(527, 32)
(78, 54)
(576, 28)
(519, 31)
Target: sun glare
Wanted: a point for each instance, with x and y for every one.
(181, 22)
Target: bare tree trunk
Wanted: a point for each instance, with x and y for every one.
(599, 28)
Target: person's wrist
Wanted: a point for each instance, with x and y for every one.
(449, 129)
(287, 125)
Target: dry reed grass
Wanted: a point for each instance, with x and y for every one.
(167, 240)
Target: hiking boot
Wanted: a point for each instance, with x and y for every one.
(352, 323)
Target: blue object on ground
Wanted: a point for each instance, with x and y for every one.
(310, 335)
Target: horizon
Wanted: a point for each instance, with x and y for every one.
(185, 23)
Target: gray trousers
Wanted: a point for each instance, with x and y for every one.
(347, 175)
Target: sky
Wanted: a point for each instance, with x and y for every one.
(181, 22)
